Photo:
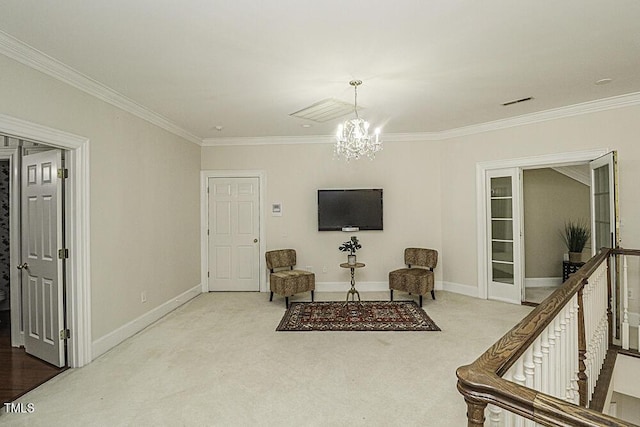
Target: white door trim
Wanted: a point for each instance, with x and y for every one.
(204, 215)
(17, 337)
(78, 277)
(558, 159)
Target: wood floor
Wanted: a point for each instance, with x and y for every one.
(19, 372)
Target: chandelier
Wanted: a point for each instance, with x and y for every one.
(353, 139)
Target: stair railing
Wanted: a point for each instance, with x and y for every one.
(544, 370)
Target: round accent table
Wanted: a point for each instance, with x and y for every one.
(353, 291)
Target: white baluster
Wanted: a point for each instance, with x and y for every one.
(553, 366)
(495, 416)
(544, 349)
(625, 305)
(563, 354)
(537, 363)
(529, 372)
(519, 378)
(560, 363)
(508, 417)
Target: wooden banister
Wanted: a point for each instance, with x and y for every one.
(481, 382)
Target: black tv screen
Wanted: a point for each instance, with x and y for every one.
(338, 209)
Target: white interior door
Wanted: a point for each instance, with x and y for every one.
(504, 238)
(604, 218)
(42, 295)
(234, 219)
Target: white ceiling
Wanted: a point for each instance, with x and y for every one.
(427, 65)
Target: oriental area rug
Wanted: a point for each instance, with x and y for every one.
(356, 316)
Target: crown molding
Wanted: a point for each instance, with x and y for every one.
(312, 139)
(627, 100)
(604, 104)
(27, 55)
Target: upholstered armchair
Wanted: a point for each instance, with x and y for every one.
(284, 280)
(417, 278)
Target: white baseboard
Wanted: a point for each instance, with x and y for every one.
(112, 339)
(457, 288)
(542, 282)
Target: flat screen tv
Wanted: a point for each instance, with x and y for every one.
(350, 210)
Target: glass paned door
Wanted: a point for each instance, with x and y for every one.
(605, 221)
(603, 203)
(504, 236)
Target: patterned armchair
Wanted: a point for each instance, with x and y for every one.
(417, 278)
(284, 280)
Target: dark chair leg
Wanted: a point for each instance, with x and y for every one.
(311, 296)
(271, 297)
(391, 292)
(420, 300)
(433, 294)
(286, 302)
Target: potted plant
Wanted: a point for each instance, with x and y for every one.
(351, 246)
(576, 236)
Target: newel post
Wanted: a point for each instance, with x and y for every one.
(475, 412)
(582, 350)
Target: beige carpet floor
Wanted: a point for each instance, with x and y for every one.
(218, 361)
(538, 294)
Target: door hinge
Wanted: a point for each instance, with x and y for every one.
(63, 173)
(208, 274)
(63, 253)
(65, 334)
(207, 231)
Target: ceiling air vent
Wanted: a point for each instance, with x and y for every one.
(325, 110)
(517, 101)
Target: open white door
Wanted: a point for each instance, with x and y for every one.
(604, 218)
(41, 266)
(503, 228)
(234, 230)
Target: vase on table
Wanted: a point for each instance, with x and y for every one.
(351, 259)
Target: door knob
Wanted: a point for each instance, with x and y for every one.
(23, 266)
(255, 240)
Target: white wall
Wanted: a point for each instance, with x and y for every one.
(430, 190)
(626, 376)
(627, 407)
(144, 195)
(409, 173)
(616, 129)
